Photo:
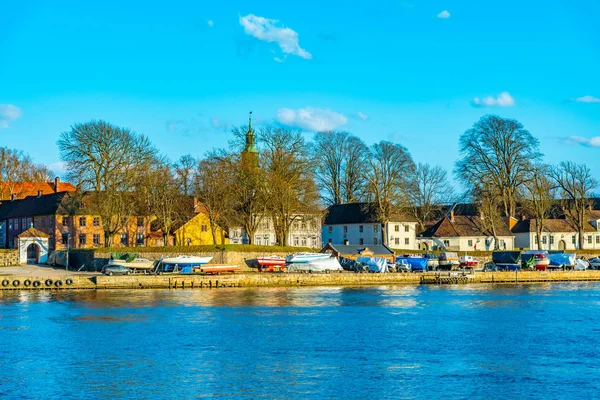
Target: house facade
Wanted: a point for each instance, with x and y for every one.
(467, 233)
(305, 231)
(558, 234)
(357, 224)
(48, 214)
(197, 232)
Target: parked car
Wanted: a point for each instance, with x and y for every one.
(115, 270)
(432, 261)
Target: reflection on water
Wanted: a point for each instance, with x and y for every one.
(473, 341)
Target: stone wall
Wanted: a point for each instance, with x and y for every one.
(9, 258)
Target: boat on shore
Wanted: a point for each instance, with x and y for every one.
(139, 264)
(270, 263)
(180, 264)
(327, 264)
(467, 262)
(306, 257)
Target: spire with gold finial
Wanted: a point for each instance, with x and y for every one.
(250, 143)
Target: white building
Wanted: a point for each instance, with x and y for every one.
(304, 232)
(466, 233)
(558, 234)
(357, 224)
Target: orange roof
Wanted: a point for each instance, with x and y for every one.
(26, 189)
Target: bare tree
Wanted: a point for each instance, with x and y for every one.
(497, 152)
(539, 196)
(185, 168)
(386, 179)
(213, 188)
(575, 183)
(17, 167)
(428, 190)
(291, 190)
(109, 161)
(337, 159)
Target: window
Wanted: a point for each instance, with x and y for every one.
(296, 241)
(360, 228)
(551, 239)
(304, 242)
(375, 241)
(124, 239)
(304, 225)
(258, 240)
(573, 239)
(96, 221)
(537, 239)
(470, 243)
(140, 222)
(345, 229)
(406, 241)
(43, 222)
(139, 239)
(51, 223)
(361, 241)
(82, 221)
(65, 238)
(24, 223)
(10, 224)
(29, 222)
(544, 239)
(330, 229)
(446, 242)
(313, 242)
(589, 239)
(331, 240)
(96, 240)
(397, 228)
(375, 228)
(397, 241)
(597, 239)
(65, 221)
(82, 239)
(204, 228)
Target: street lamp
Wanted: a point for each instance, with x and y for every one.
(66, 234)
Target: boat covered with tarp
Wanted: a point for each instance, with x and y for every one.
(374, 264)
(562, 260)
(507, 260)
(329, 264)
(416, 263)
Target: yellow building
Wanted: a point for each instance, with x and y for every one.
(197, 232)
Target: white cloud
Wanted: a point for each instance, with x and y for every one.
(9, 113)
(587, 142)
(279, 60)
(265, 29)
(444, 14)
(504, 99)
(58, 168)
(362, 116)
(311, 119)
(220, 125)
(586, 99)
(211, 23)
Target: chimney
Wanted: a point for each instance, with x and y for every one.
(481, 216)
(12, 197)
(452, 215)
(523, 217)
(39, 193)
(56, 184)
(346, 242)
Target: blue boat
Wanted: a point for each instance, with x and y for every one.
(417, 264)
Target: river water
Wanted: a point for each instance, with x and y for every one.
(471, 342)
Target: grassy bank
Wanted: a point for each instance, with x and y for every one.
(242, 248)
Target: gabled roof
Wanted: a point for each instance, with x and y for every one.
(33, 206)
(552, 225)
(358, 249)
(464, 225)
(358, 213)
(33, 233)
(22, 190)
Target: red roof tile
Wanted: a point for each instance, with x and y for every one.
(22, 190)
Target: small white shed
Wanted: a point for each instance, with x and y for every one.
(33, 246)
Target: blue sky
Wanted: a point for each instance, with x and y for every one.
(412, 71)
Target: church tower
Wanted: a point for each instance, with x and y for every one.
(250, 152)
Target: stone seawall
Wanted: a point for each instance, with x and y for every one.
(9, 258)
(286, 280)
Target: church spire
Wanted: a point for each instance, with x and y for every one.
(250, 142)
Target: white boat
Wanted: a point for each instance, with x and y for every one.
(182, 264)
(329, 264)
(141, 264)
(306, 257)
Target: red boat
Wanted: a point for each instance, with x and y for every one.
(270, 263)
